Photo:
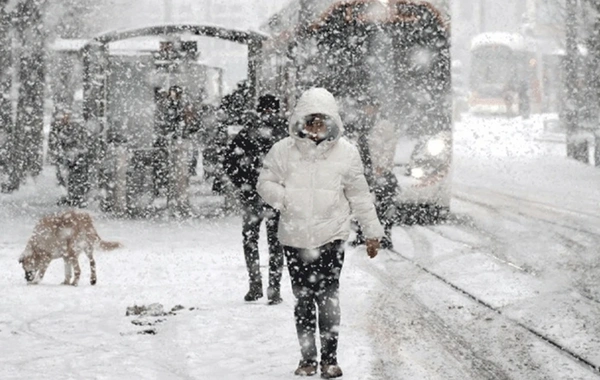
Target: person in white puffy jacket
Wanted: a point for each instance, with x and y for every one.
(316, 179)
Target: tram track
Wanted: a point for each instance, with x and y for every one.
(490, 250)
(454, 346)
(554, 343)
(532, 207)
(542, 214)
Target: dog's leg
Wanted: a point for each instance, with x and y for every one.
(89, 251)
(76, 269)
(44, 263)
(39, 276)
(68, 271)
(73, 259)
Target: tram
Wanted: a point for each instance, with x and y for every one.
(503, 72)
(396, 52)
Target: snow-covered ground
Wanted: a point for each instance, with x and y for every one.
(523, 238)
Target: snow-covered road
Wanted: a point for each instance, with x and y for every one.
(516, 264)
(465, 300)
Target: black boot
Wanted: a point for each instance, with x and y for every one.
(254, 293)
(386, 241)
(274, 296)
(359, 240)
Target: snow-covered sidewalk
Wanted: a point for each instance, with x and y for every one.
(50, 331)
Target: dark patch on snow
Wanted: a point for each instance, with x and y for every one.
(151, 315)
(152, 310)
(177, 308)
(144, 322)
(147, 332)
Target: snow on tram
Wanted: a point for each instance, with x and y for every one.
(392, 54)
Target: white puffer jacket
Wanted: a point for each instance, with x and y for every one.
(317, 187)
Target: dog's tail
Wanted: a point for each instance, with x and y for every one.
(109, 245)
(93, 235)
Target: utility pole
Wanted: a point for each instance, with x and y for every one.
(577, 148)
(27, 135)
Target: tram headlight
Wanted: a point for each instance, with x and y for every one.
(430, 158)
(436, 146)
(417, 173)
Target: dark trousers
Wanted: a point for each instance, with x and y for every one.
(78, 181)
(315, 276)
(160, 169)
(252, 218)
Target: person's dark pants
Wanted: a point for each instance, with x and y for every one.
(252, 218)
(78, 184)
(315, 276)
(160, 169)
(385, 209)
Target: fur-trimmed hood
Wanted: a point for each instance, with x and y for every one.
(316, 101)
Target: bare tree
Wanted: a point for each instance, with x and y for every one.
(5, 70)
(6, 85)
(27, 133)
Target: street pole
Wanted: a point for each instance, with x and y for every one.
(576, 146)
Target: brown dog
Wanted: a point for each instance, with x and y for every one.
(65, 235)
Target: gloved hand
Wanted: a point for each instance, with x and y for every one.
(372, 247)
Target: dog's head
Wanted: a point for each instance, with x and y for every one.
(28, 264)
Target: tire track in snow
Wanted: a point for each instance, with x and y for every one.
(528, 207)
(559, 235)
(495, 249)
(418, 244)
(396, 301)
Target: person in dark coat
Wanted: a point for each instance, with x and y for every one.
(243, 161)
(69, 150)
(172, 121)
(160, 154)
(524, 103)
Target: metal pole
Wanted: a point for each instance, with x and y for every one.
(254, 53)
(576, 148)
